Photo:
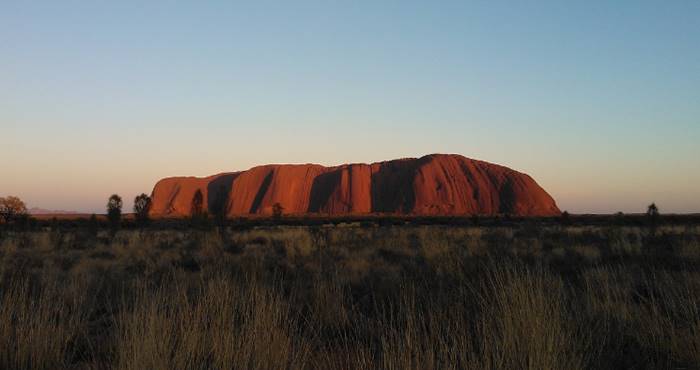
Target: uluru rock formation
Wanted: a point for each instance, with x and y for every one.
(437, 184)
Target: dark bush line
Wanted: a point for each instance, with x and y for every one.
(245, 223)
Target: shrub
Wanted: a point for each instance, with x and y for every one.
(277, 210)
(142, 205)
(12, 208)
(114, 211)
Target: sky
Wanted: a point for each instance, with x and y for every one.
(599, 101)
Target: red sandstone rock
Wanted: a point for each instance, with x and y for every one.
(437, 184)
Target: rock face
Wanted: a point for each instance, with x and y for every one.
(437, 184)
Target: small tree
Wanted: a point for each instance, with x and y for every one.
(653, 216)
(219, 206)
(620, 218)
(12, 208)
(198, 216)
(277, 210)
(114, 211)
(142, 205)
(196, 209)
(653, 210)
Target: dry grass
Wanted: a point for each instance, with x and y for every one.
(41, 329)
(225, 324)
(427, 297)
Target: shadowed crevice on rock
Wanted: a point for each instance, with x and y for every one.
(507, 198)
(322, 189)
(392, 187)
(262, 191)
(171, 200)
(218, 192)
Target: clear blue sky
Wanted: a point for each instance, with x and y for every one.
(599, 101)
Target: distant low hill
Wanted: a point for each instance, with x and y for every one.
(42, 211)
(433, 185)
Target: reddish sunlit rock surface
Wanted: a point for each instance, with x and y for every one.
(438, 184)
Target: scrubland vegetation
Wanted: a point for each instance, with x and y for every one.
(527, 295)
